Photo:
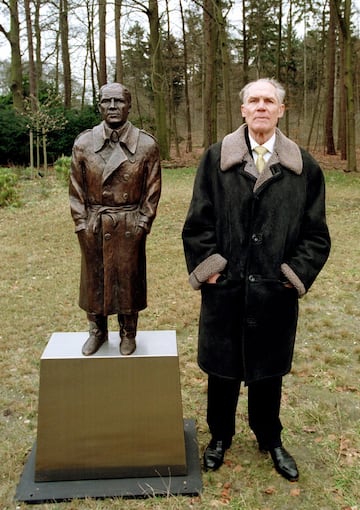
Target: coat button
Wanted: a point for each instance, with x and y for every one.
(125, 196)
(127, 234)
(107, 236)
(252, 278)
(256, 238)
(126, 177)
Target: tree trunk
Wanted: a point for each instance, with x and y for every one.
(37, 146)
(157, 79)
(245, 46)
(345, 27)
(171, 102)
(32, 74)
(102, 79)
(225, 64)
(64, 37)
(119, 71)
(349, 85)
(30, 45)
(331, 51)
(13, 36)
(319, 82)
(31, 152)
(37, 33)
(44, 151)
(288, 66)
(187, 99)
(305, 95)
(341, 138)
(83, 89)
(57, 60)
(94, 70)
(279, 43)
(209, 81)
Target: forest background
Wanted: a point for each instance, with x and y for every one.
(184, 62)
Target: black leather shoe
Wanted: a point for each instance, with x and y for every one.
(284, 463)
(214, 454)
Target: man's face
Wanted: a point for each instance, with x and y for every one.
(261, 110)
(114, 106)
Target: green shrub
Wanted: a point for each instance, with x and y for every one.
(61, 142)
(62, 168)
(14, 134)
(14, 137)
(8, 188)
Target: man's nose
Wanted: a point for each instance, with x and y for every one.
(112, 103)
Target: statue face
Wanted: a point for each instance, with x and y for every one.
(114, 105)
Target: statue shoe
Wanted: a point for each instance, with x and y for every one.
(127, 345)
(94, 342)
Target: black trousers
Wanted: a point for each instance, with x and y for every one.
(264, 398)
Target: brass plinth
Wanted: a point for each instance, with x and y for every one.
(107, 415)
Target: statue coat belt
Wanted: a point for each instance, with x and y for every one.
(97, 211)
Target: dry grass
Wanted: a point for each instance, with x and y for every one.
(321, 408)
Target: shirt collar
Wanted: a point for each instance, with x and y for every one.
(269, 144)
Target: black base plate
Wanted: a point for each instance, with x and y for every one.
(33, 492)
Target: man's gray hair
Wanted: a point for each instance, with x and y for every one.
(280, 91)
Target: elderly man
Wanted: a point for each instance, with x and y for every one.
(255, 239)
(115, 186)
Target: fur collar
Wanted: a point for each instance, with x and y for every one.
(235, 150)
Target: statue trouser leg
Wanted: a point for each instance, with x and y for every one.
(128, 327)
(98, 333)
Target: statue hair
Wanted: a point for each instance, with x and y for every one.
(126, 91)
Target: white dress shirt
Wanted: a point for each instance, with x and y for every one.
(269, 144)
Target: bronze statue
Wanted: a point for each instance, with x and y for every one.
(115, 185)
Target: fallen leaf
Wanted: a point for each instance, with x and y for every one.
(270, 490)
(352, 389)
(310, 430)
(295, 492)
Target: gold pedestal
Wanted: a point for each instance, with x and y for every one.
(107, 415)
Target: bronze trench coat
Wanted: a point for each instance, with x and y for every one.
(114, 192)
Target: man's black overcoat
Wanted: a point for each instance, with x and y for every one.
(258, 232)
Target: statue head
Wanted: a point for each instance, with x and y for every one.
(114, 104)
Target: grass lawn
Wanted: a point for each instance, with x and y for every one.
(321, 398)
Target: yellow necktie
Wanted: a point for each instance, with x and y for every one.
(260, 161)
